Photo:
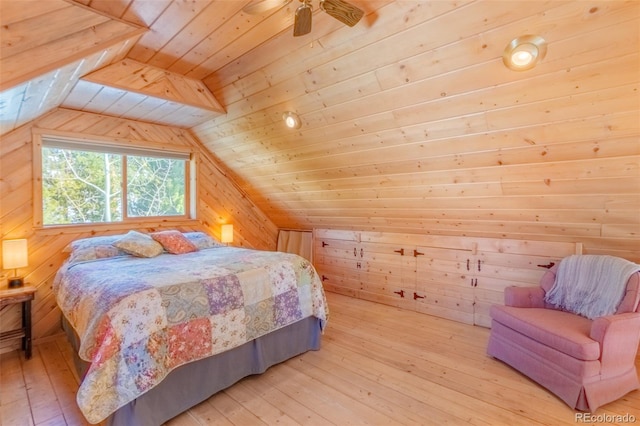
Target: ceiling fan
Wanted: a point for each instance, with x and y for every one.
(344, 12)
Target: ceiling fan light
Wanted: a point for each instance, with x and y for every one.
(524, 53)
(292, 120)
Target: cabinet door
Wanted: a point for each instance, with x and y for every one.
(390, 256)
(365, 265)
(405, 285)
(499, 264)
(335, 262)
(381, 275)
(444, 283)
(353, 267)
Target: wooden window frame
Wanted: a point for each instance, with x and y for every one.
(123, 147)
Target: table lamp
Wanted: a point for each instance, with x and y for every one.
(14, 256)
(226, 233)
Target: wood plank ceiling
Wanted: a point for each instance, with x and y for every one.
(411, 122)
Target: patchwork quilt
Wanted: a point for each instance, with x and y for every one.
(140, 318)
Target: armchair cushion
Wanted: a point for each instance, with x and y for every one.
(562, 331)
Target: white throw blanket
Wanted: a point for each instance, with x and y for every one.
(591, 285)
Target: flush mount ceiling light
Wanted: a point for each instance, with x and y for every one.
(291, 120)
(523, 53)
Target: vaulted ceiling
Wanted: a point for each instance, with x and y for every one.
(410, 119)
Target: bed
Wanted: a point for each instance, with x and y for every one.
(158, 332)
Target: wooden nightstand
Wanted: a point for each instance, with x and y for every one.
(23, 295)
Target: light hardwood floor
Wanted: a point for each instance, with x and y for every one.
(378, 365)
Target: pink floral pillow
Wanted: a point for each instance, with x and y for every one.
(174, 242)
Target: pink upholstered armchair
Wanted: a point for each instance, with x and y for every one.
(585, 362)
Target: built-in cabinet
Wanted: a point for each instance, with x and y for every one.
(452, 277)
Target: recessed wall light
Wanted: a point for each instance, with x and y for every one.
(524, 53)
(291, 120)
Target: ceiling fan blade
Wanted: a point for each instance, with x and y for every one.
(344, 12)
(256, 7)
(302, 23)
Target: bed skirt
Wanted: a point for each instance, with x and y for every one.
(195, 382)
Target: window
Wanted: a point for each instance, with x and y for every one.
(155, 186)
(86, 182)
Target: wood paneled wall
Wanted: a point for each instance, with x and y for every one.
(218, 201)
(413, 124)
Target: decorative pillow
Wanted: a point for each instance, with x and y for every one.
(93, 248)
(139, 244)
(174, 242)
(202, 240)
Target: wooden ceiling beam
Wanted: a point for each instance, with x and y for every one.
(144, 79)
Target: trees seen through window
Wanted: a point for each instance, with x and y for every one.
(88, 186)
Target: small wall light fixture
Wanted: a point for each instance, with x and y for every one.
(14, 256)
(291, 120)
(524, 52)
(226, 233)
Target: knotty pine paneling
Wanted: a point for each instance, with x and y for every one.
(411, 121)
(56, 34)
(159, 96)
(413, 124)
(219, 201)
(28, 101)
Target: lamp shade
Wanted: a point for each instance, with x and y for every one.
(226, 233)
(14, 254)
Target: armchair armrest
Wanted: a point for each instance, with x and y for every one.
(618, 336)
(524, 297)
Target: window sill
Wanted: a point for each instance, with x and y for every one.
(149, 224)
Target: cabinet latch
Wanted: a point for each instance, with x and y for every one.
(416, 296)
(401, 293)
(416, 253)
(401, 251)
